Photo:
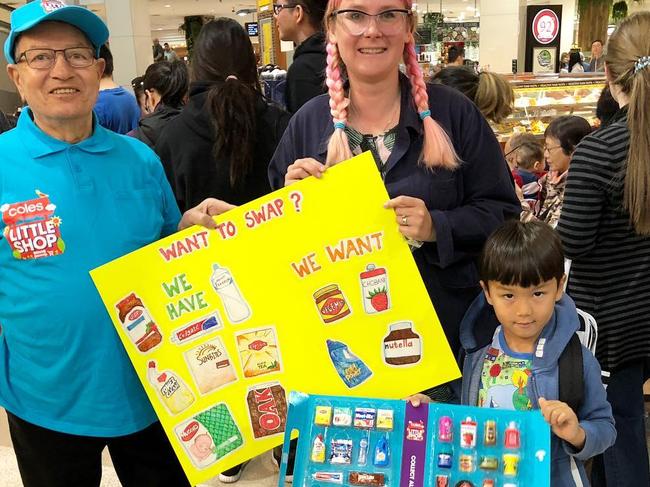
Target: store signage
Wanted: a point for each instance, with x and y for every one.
(546, 26)
(252, 28)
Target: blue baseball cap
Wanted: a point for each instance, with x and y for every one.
(37, 11)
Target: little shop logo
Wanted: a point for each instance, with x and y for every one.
(32, 229)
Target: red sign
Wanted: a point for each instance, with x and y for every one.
(546, 26)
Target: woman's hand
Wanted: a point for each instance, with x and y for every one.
(563, 422)
(413, 218)
(303, 168)
(202, 213)
(417, 399)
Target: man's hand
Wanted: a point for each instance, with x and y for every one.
(202, 213)
(563, 422)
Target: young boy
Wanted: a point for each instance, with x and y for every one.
(522, 276)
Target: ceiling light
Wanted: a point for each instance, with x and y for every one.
(167, 6)
(242, 12)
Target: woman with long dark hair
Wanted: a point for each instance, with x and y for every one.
(221, 144)
(605, 229)
(164, 86)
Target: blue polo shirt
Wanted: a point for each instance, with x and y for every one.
(66, 209)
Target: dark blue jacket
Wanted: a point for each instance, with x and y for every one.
(466, 205)
(595, 414)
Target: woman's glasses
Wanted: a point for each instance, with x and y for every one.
(357, 22)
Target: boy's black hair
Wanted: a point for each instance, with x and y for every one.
(522, 254)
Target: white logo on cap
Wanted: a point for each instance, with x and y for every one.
(52, 5)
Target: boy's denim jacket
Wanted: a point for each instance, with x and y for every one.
(595, 414)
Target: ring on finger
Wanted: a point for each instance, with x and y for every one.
(405, 221)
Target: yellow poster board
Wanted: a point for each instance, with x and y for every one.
(309, 288)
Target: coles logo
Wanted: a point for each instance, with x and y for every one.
(189, 431)
(52, 5)
(32, 229)
(546, 26)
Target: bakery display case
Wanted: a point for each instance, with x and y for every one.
(540, 99)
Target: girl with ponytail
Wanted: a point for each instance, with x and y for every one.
(605, 228)
(440, 162)
(221, 143)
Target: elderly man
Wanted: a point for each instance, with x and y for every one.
(73, 196)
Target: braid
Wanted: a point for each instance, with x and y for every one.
(338, 149)
(437, 149)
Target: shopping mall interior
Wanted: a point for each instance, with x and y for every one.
(528, 42)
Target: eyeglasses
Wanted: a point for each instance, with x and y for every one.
(357, 22)
(549, 149)
(77, 57)
(278, 7)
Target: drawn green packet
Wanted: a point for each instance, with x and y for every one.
(222, 428)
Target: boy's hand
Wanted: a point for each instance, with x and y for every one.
(563, 422)
(417, 399)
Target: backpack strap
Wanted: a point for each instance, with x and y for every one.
(571, 377)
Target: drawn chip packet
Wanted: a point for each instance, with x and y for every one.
(209, 436)
(210, 365)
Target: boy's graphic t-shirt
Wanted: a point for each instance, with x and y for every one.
(504, 378)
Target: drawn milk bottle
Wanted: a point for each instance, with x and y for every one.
(235, 305)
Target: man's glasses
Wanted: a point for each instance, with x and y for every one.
(356, 22)
(278, 7)
(77, 57)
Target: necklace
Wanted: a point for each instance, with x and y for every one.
(390, 122)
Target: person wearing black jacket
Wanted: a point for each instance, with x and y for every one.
(221, 143)
(301, 21)
(165, 86)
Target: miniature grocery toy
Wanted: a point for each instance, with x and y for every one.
(351, 441)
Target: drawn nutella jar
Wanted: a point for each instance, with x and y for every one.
(402, 346)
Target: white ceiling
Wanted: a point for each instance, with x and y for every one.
(167, 15)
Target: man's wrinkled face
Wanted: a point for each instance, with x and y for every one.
(61, 93)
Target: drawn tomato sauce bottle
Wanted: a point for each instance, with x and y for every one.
(138, 323)
(374, 289)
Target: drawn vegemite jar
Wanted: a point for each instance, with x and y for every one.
(331, 303)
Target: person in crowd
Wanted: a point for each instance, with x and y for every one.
(165, 88)
(456, 56)
(226, 117)
(169, 53)
(510, 152)
(116, 108)
(491, 92)
(564, 62)
(444, 206)
(606, 108)
(522, 276)
(158, 51)
(575, 63)
(221, 143)
(529, 157)
(301, 21)
(137, 84)
(89, 196)
(597, 63)
(561, 137)
(605, 229)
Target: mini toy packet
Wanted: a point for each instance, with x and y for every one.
(381, 442)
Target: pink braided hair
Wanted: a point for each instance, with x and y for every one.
(338, 148)
(437, 150)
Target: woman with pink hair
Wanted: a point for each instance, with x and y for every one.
(439, 159)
